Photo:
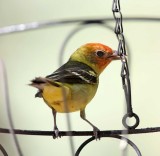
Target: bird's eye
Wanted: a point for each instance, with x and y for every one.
(100, 53)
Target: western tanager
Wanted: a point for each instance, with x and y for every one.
(72, 86)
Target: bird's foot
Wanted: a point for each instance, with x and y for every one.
(96, 133)
(56, 133)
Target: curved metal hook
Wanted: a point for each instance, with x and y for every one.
(80, 27)
(117, 137)
(61, 54)
(127, 91)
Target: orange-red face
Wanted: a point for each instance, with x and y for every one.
(96, 55)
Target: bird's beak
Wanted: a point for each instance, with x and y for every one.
(115, 55)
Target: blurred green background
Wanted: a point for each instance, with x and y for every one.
(35, 53)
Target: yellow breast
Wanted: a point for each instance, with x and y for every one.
(68, 98)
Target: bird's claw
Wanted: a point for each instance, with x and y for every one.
(56, 133)
(96, 133)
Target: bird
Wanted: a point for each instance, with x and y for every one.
(73, 85)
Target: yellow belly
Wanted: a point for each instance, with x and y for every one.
(67, 99)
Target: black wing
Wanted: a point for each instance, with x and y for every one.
(74, 72)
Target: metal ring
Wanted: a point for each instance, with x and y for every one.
(117, 137)
(130, 116)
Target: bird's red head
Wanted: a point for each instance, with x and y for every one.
(96, 55)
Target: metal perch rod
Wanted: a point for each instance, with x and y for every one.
(83, 133)
(50, 23)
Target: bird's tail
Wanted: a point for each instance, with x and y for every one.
(40, 82)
